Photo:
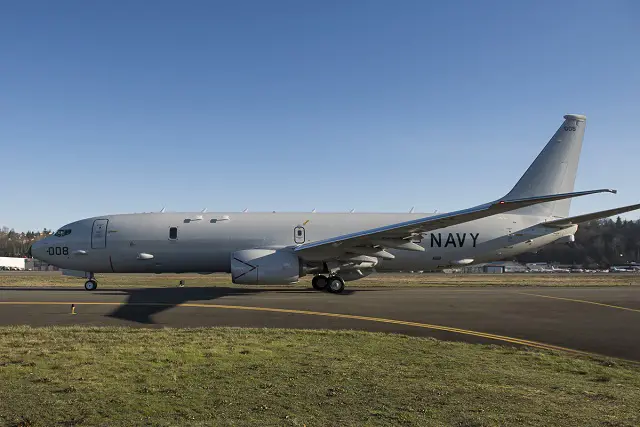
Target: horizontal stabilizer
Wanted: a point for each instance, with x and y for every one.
(566, 222)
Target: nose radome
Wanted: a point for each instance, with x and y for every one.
(34, 250)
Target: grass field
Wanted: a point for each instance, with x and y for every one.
(19, 279)
(123, 377)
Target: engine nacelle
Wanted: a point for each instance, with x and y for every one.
(356, 274)
(265, 267)
(570, 239)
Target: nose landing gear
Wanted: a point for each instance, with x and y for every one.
(91, 284)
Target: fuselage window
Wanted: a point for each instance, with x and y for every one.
(173, 233)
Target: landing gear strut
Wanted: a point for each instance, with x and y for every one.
(91, 284)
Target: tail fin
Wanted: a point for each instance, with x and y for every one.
(554, 170)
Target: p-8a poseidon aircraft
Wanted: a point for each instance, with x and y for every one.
(279, 248)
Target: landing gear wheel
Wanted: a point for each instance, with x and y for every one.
(336, 285)
(91, 285)
(319, 282)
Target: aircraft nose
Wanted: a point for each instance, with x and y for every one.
(34, 250)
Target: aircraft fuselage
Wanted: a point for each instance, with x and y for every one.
(204, 242)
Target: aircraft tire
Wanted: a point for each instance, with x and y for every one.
(91, 285)
(335, 285)
(319, 282)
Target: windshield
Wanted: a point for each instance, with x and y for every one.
(62, 232)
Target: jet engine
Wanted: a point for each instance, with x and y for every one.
(356, 274)
(265, 267)
(570, 239)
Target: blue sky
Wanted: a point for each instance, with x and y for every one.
(113, 107)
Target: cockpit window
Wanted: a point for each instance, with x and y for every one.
(62, 232)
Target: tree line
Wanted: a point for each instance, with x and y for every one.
(599, 243)
(15, 244)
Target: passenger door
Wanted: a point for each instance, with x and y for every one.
(99, 234)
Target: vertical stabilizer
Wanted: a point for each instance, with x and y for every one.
(554, 170)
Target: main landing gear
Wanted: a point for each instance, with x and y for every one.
(91, 284)
(333, 284)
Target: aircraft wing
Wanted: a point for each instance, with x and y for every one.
(566, 222)
(400, 235)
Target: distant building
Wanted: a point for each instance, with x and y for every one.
(25, 264)
(33, 264)
(496, 268)
(12, 263)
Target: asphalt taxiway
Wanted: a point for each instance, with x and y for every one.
(600, 320)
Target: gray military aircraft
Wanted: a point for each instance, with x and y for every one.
(279, 248)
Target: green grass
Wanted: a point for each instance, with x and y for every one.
(21, 279)
(245, 377)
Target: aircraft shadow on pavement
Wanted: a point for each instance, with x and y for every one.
(40, 289)
(143, 303)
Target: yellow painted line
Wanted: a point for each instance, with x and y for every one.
(503, 338)
(580, 300)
